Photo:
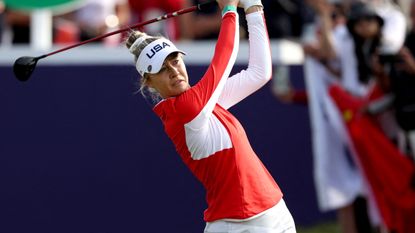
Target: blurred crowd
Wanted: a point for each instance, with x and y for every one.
(286, 19)
(360, 87)
(95, 17)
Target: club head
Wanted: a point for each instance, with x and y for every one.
(23, 67)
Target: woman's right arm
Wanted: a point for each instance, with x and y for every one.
(198, 102)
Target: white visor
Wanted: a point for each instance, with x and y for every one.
(153, 55)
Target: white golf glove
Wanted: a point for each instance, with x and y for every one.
(248, 3)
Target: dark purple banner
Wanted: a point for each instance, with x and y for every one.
(81, 152)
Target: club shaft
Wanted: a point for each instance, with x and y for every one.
(160, 18)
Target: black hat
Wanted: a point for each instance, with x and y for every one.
(361, 10)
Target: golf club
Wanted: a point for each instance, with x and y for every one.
(24, 66)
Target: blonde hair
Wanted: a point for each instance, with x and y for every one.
(136, 51)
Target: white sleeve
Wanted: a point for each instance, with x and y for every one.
(393, 31)
(259, 70)
(338, 35)
(349, 67)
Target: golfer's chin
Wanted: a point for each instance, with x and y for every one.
(179, 89)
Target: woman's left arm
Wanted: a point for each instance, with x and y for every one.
(259, 69)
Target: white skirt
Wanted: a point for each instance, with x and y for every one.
(278, 219)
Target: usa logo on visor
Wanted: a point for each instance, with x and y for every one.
(157, 48)
(152, 57)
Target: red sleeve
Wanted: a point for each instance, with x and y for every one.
(205, 94)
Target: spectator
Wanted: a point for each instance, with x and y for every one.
(282, 87)
(103, 12)
(19, 23)
(387, 43)
(97, 17)
(364, 26)
(338, 180)
(65, 30)
(174, 29)
(387, 171)
(367, 34)
(410, 38)
(400, 75)
(287, 18)
(395, 25)
(405, 102)
(204, 24)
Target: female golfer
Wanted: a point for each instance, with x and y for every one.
(241, 194)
